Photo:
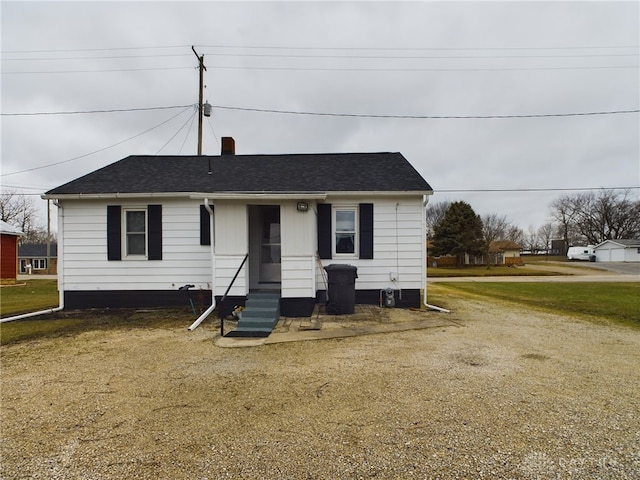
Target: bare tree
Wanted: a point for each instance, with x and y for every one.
(594, 217)
(515, 234)
(18, 210)
(531, 240)
(494, 227)
(435, 213)
(563, 210)
(545, 234)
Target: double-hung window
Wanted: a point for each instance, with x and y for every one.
(345, 235)
(345, 230)
(135, 232)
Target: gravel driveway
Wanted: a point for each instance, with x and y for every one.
(501, 392)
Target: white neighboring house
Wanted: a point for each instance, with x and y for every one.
(624, 250)
(131, 233)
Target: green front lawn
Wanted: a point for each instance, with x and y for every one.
(614, 301)
(482, 271)
(34, 295)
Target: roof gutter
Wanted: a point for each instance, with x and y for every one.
(231, 195)
(260, 195)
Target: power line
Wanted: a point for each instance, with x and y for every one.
(328, 114)
(307, 56)
(96, 151)
(525, 190)
(95, 49)
(311, 48)
(177, 132)
(330, 69)
(78, 112)
(97, 71)
(276, 47)
(113, 57)
(431, 117)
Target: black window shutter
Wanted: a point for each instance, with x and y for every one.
(154, 247)
(324, 230)
(114, 232)
(366, 230)
(205, 226)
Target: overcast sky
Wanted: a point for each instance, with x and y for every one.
(374, 59)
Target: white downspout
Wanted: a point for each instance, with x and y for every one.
(60, 272)
(32, 314)
(208, 311)
(425, 256)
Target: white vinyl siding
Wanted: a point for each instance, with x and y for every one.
(297, 277)
(85, 250)
(398, 241)
(398, 248)
(298, 251)
(231, 245)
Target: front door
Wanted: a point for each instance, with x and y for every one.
(264, 233)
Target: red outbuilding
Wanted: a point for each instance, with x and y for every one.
(8, 253)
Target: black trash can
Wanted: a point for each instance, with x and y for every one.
(342, 288)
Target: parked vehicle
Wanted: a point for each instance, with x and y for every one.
(582, 253)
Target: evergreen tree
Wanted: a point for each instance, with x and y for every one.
(459, 232)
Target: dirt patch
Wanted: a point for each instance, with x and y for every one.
(501, 393)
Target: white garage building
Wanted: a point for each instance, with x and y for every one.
(618, 251)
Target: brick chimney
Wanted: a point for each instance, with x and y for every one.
(228, 146)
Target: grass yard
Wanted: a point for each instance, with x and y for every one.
(615, 301)
(481, 271)
(28, 296)
(74, 323)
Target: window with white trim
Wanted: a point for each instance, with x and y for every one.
(135, 228)
(345, 231)
(39, 263)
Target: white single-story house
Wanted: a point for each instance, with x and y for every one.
(624, 250)
(132, 233)
(33, 258)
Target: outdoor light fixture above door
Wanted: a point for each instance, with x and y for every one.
(302, 206)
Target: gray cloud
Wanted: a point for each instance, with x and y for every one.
(568, 152)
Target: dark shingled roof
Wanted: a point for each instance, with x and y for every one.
(251, 173)
(37, 250)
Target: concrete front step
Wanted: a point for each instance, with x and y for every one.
(253, 312)
(256, 323)
(262, 311)
(262, 302)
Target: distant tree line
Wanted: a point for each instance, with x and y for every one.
(577, 219)
(593, 217)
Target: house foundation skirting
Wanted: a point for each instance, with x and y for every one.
(83, 299)
(411, 298)
(289, 307)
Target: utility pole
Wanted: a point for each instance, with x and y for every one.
(202, 70)
(48, 236)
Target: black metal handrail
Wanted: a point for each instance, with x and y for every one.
(244, 260)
